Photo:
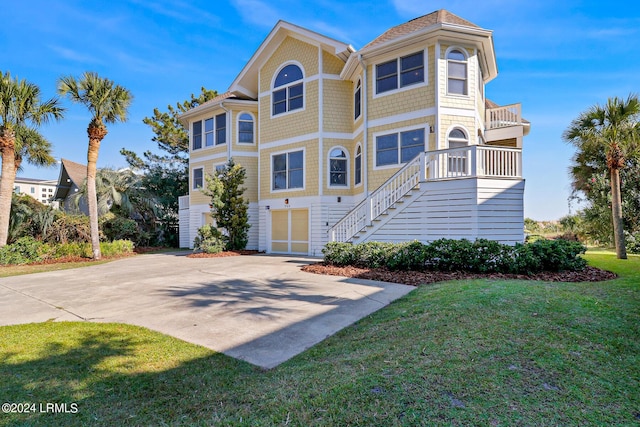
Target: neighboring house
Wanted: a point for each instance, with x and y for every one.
(72, 177)
(40, 189)
(392, 142)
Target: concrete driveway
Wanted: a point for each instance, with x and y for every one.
(261, 308)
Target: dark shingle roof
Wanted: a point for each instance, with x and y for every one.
(438, 17)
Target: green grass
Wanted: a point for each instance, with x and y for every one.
(473, 352)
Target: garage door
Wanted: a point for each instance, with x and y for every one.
(290, 231)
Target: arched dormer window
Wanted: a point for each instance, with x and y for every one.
(457, 72)
(358, 166)
(337, 167)
(288, 90)
(357, 100)
(458, 159)
(245, 129)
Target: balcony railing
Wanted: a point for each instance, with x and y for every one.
(454, 163)
(505, 116)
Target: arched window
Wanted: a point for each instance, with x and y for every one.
(457, 72)
(358, 165)
(337, 167)
(288, 90)
(357, 100)
(245, 128)
(458, 159)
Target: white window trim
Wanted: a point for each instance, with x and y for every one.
(355, 156)
(273, 89)
(355, 90)
(397, 131)
(193, 179)
(253, 117)
(466, 55)
(463, 129)
(348, 161)
(425, 59)
(304, 170)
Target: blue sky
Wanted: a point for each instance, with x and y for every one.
(556, 58)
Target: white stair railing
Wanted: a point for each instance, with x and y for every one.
(378, 202)
(452, 163)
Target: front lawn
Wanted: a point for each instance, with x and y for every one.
(468, 352)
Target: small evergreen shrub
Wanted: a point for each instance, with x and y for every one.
(339, 254)
(209, 240)
(481, 256)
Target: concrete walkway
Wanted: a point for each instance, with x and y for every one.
(261, 308)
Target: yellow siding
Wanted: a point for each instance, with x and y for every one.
(234, 129)
(458, 101)
(338, 106)
(331, 64)
(447, 121)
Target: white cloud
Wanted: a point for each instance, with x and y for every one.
(73, 55)
(257, 12)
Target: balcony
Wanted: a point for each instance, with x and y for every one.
(504, 125)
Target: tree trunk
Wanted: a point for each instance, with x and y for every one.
(96, 134)
(616, 211)
(7, 180)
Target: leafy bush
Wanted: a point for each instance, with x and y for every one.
(117, 247)
(23, 251)
(633, 242)
(482, 256)
(209, 240)
(340, 254)
(69, 228)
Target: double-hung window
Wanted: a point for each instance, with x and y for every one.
(288, 90)
(245, 128)
(401, 72)
(197, 135)
(288, 170)
(457, 73)
(400, 147)
(198, 178)
(221, 128)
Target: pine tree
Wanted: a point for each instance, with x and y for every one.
(229, 208)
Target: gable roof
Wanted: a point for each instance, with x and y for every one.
(71, 173)
(441, 16)
(246, 84)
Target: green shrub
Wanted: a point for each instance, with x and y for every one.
(339, 254)
(69, 228)
(482, 256)
(23, 251)
(408, 256)
(73, 249)
(117, 247)
(633, 242)
(209, 240)
(372, 254)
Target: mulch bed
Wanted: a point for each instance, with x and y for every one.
(589, 274)
(222, 254)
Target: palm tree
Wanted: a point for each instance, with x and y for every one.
(108, 103)
(121, 190)
(20, 105)
(614, 130)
